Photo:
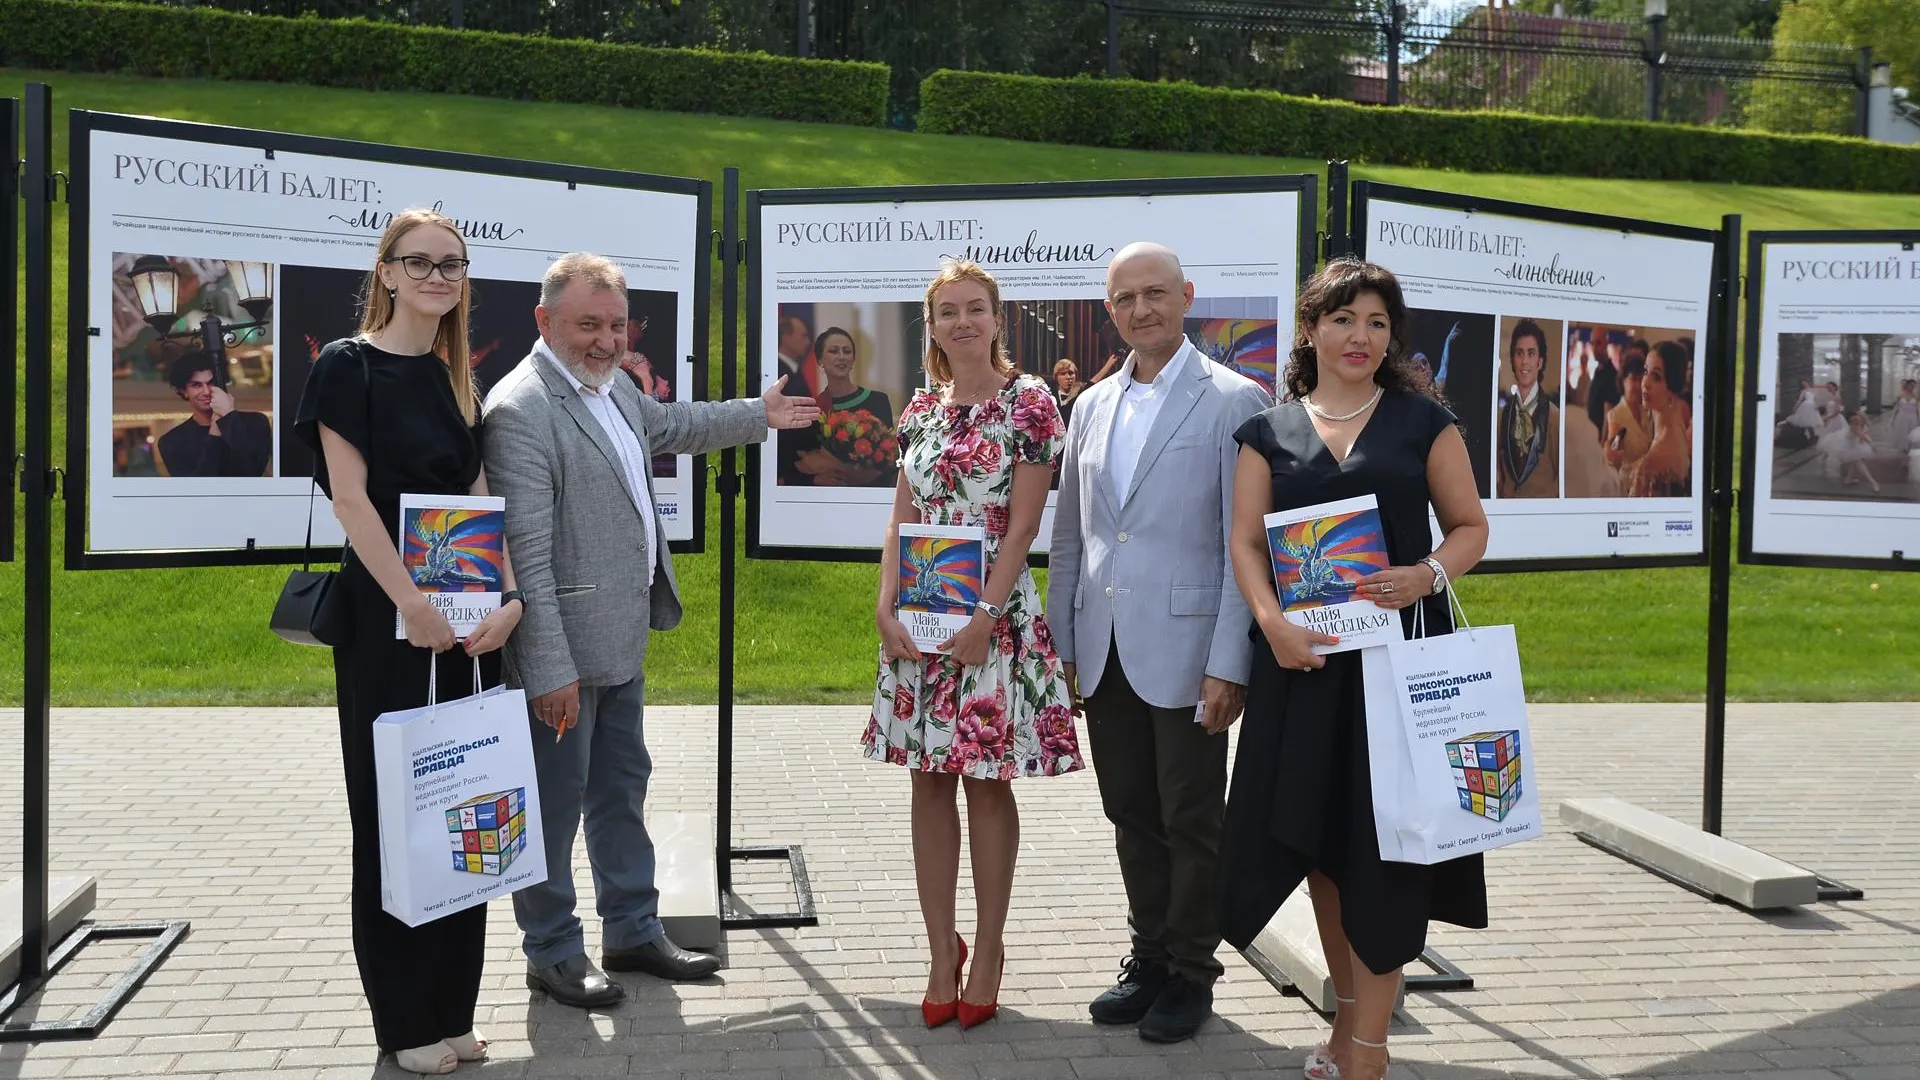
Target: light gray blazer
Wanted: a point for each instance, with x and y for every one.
(576, 541)
(1153, 574)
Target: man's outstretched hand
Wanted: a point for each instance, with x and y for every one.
(788, 412)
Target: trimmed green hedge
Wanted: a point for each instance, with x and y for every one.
(1182, 116)
(147, 39)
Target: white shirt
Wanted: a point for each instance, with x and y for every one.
(1133, 419)
(626, 445)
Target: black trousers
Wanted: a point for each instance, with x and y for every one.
(421, 982)
(1163, 784)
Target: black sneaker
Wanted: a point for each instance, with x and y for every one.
(1178, 1012)
(1141, 981)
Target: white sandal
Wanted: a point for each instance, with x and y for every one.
(433, 1059)
(469, 1047)
(1386, 1059)
(1319, 1064)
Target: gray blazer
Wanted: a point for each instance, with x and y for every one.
(576, 541)
(1153, 574)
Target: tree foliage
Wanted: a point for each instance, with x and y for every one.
(1890, 27)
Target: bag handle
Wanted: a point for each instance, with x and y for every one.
(433, 680)
(1453, 604)
(320, 456)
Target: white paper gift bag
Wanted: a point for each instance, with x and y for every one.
(459, 806)
(1448, 744)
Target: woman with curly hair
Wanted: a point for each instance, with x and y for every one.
(1362, 418)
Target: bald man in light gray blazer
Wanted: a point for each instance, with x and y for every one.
(1147, 618)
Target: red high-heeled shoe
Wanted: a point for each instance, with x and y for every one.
(972, 1015)
(936, 1013)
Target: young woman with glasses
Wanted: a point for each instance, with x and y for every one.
(389, 411)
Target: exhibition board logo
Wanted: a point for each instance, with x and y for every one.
(290, 184)
(968, 232)
(1629, 529)
(1679, 525)
(1499, 245)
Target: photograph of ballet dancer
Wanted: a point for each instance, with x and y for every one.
(1849, 424)
(1526, 447)
(863, 361)
(1456, 348)
(1628, 417)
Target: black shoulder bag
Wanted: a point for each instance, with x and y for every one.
(312, 609)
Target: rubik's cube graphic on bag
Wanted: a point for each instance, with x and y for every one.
(1486, 770)
(489, 832)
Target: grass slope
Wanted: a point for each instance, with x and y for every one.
(199, 636)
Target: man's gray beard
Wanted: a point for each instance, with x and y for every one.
(578, 369)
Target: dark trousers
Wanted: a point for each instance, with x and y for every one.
(421, 982)
(1163, 784)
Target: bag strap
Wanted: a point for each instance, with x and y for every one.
(1453, 605)
(433, 679)
(320, 455)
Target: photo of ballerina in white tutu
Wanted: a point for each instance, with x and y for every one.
(1848, 418)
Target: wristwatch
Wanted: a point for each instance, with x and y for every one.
(1439, 575)
(992, 611)
(510, 596)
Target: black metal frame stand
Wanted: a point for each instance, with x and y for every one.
(37, 482)
(10, 166)
(735, 915)
(1339, 239)
(1721, 505)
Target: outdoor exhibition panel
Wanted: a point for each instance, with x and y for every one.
(858, 261)
(209, 266)
(1578, 352)
(1831, 475)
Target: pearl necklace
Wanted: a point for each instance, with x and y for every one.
(1331, 418)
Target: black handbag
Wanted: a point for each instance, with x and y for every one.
(313, 608)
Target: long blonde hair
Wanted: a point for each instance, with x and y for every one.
(939, 368)
(450, 342)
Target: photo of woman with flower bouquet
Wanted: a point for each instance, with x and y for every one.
(852, 444)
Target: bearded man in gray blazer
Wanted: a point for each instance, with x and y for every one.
(1153, 631)
(570, 446)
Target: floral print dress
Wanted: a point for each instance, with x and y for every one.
(1010, 716)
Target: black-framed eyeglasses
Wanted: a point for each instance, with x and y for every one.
(419, 267)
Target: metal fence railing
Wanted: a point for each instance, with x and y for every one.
(1445, 54)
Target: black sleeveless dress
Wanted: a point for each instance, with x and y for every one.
(1302, 797)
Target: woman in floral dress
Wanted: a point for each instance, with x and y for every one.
(977, 449)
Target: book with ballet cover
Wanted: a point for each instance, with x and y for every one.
(1320, 553)
(943, 569)
(454, 549)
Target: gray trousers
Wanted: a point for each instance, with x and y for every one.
(599, 771)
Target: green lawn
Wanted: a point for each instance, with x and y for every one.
(805, 631)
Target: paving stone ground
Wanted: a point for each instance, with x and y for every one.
(232, 818)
